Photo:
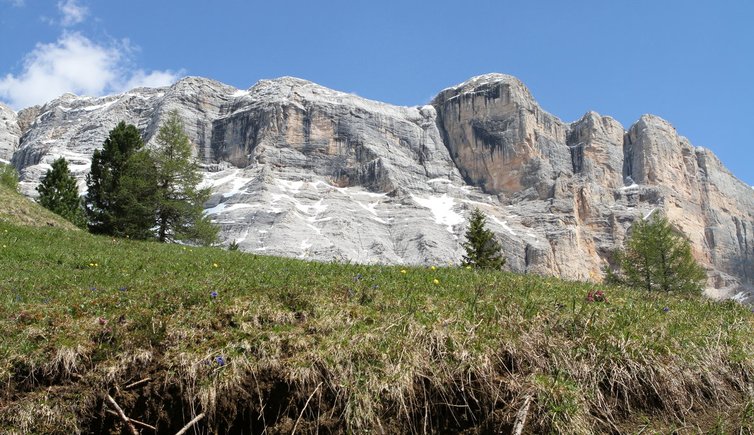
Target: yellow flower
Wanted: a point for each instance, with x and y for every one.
(403, 271)
(91, 264)
(433, 268)
(215, 265)
(436, 281)
(468, 267)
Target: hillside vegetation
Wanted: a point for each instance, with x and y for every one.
(16, 209)
(284, 345)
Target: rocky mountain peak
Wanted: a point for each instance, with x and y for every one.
(301, 170)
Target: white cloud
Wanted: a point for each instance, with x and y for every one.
(16, 3)
(76, 64)
(154, 79)
(73, 13)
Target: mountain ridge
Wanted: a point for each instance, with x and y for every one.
(341, 176)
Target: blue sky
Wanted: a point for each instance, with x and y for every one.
(688, 62)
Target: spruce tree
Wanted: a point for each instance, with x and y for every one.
(59, 193)
(121, 196)
(658, 258)
(180, 205)
(483, 251)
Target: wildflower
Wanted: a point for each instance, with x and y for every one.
(215, 265)
(4, 246)
(123, 289)
(102, 321)
(220, 361)
(94, 289)
(404, 271)
(213, 294)
(468, 267)
(433, 268)
(666, 309)
(91, 264)
(436, 281)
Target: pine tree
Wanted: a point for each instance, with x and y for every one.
(483, 251)
(120, 199)
(658, 258)
(181, 202)
(59, 193)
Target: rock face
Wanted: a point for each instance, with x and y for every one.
(302, 170)
(10, 133)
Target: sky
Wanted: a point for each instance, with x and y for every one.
(689, 62)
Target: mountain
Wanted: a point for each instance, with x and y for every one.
(305, 171)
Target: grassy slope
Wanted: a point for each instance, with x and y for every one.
(17, 209)
(370, 347)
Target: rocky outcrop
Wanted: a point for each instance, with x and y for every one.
(10, 133)
(500, 138)
(301, 170)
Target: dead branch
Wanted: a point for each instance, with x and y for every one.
(304, 409)
(518, 426)
(122, 415)
(137, 383)
(136, 422)
(191, 423)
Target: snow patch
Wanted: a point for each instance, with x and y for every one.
(439, 180)
(223, 207)
(371, 207)
(234, 182)
(741, 297)
(442, 209)
(503, 224)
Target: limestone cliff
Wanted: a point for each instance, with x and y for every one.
(302, 170)
(10, 133)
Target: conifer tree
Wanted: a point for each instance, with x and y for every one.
(121, 196)
(180, 204)
(483, 251)
(658, 258)
(59, 193)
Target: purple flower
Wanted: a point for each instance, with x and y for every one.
(94, 289)
(213, 294)
(666, 309)
(220, 361)
(123, 289)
